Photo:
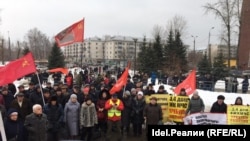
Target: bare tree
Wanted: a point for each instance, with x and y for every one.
(226, 11)
(38, 43)
(157, 30)
(178, 24)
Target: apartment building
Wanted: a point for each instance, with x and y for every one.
(111, 50)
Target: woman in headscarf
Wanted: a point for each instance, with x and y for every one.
(71, 116)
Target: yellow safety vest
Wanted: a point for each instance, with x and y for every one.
(114, 111)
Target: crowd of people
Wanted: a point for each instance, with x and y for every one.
(79, 106)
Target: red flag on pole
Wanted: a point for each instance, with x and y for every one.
(62, 70)
(122, 81)
(71, 34)
(189, 84)
(17, 69)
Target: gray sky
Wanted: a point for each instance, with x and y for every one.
(107, 17)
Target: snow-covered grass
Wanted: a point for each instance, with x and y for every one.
(210, 97)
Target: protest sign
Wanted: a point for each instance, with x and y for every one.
(238, 115)
(206, 119)
(177, 106)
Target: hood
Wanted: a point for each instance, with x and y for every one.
(12, 110)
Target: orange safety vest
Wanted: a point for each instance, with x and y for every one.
(114, 111)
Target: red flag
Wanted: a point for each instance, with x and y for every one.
(189, 84)
(63, 70)
(122, 81)
(17, 69)
(71, 34)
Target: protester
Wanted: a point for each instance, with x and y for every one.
(22, 105)
(219, 106)
(126, 112)
(152, 113)
(102, 112)
(71, 116)
(36, 124)
(14, 128)
(114, 106)
(196, 104)
(54, 112)
(138, 106)
(88, 119)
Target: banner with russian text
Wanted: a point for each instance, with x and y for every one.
(206, 119)
(177, 106)
(162, 99)
(238, 115)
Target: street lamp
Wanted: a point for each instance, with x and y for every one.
(209, 46)
(194, 49)
(135, 40)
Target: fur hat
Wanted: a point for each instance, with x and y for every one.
(221, 97)
(53, 98)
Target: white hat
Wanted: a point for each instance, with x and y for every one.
(140, 93)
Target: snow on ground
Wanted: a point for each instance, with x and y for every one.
(210, 97)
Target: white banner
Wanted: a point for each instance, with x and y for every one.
(205, 119)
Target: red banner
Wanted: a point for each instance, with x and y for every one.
(17, 69)
(122, 81)
(71, 34)
(189, 84)
(62, 70)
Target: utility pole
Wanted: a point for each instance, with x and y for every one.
(209, 47)
(194, 56)
(135, 40)
(9, 48)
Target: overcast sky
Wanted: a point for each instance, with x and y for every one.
(107, 17)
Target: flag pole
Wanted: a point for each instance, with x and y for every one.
(82, 48)
(2, 131)
(40, 87)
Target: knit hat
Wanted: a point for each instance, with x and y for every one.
(140, 93)
(127, 92)
(73, 96)
(12, 111)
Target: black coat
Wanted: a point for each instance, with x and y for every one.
(14, 129)
(126, 112)
(36, 127)
(216, 108)
(137, 111)
(25, 110)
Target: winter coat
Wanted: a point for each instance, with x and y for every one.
(216, 108)
(71, 117)
(102, 116)
(54, 116)
(195, 105)
(7, 100)
(153, 114)
(24, 110)
(126, 111)
(1, 99)
(36, 127)
(36, 98)
(88, 117)
(245, 85)
(14, 129)
(137, 111)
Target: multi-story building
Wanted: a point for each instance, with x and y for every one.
(217, 49)
(112, 50)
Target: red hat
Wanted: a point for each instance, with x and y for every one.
(86, 89)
